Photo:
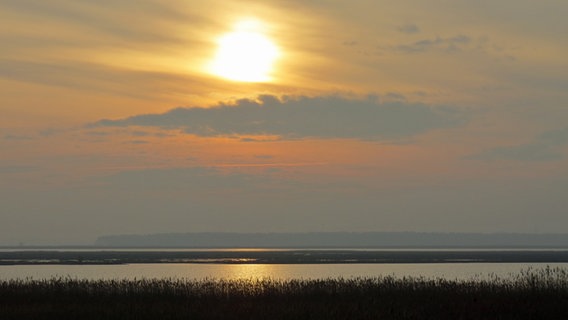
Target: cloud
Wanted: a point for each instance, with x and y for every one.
(300, 117)
(188, 179)
(90, 76)
(264, 156)
(105, 17)
(555, 137)
(350, 43)
(138, 142)
(16, 137)
(522, 152)
(543, 148)
(17, 168)
(97, 133)
(408, 28)
(455, 43)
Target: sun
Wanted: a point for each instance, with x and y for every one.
(245, 54)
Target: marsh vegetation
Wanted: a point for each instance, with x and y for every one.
(533, 294)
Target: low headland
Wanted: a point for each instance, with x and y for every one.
(334, 240)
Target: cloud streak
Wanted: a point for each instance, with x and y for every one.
(301, 117)
(410, 28)
(454, 43)
(544, 148)
(93, 77)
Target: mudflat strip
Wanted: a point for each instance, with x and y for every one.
(243, 256)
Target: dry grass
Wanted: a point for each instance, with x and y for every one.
(540, 294)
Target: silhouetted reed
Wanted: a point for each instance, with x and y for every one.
(533, 294)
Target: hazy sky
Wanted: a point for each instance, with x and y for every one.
(376, 115)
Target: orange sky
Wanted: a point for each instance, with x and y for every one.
(394, 112)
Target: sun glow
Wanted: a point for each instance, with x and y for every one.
(246, 54)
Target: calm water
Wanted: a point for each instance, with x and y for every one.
(276, 271)
(293, 263)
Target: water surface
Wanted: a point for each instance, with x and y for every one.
(243, 263)
(275, 271)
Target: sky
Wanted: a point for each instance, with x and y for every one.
(371, 115)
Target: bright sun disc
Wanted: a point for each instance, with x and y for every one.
(245, 54)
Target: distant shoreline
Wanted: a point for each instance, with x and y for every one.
(282, 256)
(336, 240)
(311, 240)
(275, 247)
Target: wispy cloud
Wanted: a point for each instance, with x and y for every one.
(89, 76)
(16, 137)
(4, 169)
(301, 117)
(409, 28)
(197, 178)
(454, 43)
(105, 17)
(544, 148)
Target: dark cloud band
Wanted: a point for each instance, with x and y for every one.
(301, 117)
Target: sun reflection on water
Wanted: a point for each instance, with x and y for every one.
(251, 271)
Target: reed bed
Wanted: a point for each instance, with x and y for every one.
(533, 294)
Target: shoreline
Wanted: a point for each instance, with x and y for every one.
(292, 256)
